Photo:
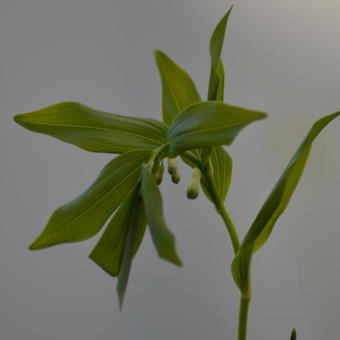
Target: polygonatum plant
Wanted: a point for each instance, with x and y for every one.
(125, 196)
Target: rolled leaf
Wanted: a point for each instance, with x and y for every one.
(94, 130)
(277, 201)
(109, 250)
(83, 217)
(163, 239)
(178, 90)
(208, 123)
(216, 81)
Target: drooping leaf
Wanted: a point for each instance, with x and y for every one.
(94, 130)
(208, 123)
(277, 201)
(83, 217)
(293, 335)
(109, 250)
(178, 90)
(216, 81)
(134, 220)
(163, 239)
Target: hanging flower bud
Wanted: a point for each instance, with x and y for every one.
(172, 166)
(194, 184)
(173, 170)
(176, 178)
(159, 173)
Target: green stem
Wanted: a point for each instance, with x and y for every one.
(220, 208)
(243, 318)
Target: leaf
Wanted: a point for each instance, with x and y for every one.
(216, 81)
(109, 250)
(208, 123)
(134, 222)
(178, 89)
(178, 92)
(94, 130)
(221, 163)
(293, 335)
(163, 239)
(277, 201)
(83, 217)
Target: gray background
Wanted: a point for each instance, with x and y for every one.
(281, 57)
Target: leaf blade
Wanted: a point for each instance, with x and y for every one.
(108, 252)
(208, 123)
(133, 220)
(216, 80)
(276, 202)
(163, 239)
(178, 89)
(84, 216)
(94, 130)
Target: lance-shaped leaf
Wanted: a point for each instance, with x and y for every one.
(94, 130)
(135, 222)
(216, 81)
(83, 217)
(178, 90)
(208, 123)
(276, 203)
(108, 252)
(163, 239)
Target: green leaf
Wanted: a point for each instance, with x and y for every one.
(94, 130)
(109, 250)
(293, 335)
(135, 219)
(83, 217)
(216, 81)
(178, 89)
(208, 123)
(221, 163)
(277, 201)
(163, 239)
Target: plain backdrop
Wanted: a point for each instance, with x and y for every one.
(281, 57)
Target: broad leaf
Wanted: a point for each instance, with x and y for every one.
(109, 250)
(208, 123)
(135, 220)
(178, 90)
(94, 130)
(277, 201)
(163, 239)
(216, 81)
(83, 217)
